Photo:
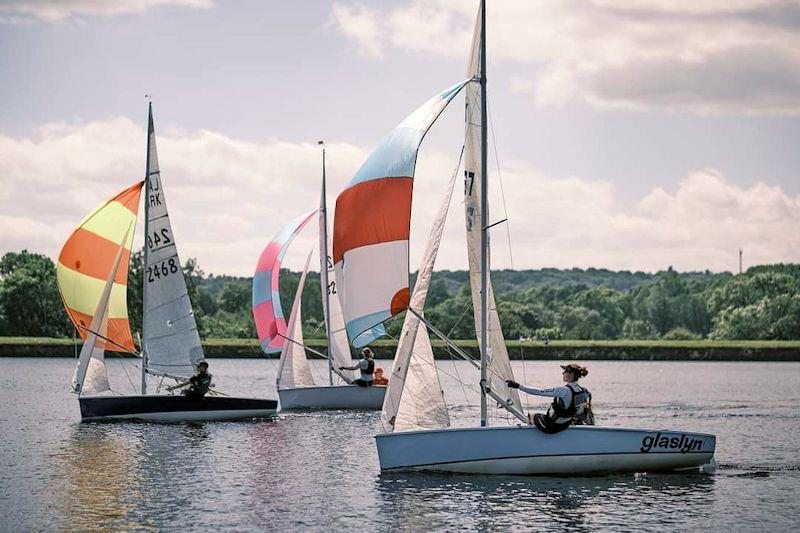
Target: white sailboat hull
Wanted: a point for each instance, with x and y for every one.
(336, 397)
(525, 450)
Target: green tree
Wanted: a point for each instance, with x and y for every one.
(235, 297)
(29, 298)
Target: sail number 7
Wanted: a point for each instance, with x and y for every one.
(162, 270)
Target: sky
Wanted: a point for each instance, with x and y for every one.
(626, 134)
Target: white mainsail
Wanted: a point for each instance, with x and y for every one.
(414, 400)
(91, 376)
(170, 339)
(293, 368)
(499, 365)
(338, 345)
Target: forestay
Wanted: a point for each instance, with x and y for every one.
(372, 223)
(293, 368)
(86, 260)
(267, 311)
(415, 400)
(91, 376)
(498, 362)
(171, 341)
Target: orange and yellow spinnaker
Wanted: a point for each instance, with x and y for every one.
(86, 262)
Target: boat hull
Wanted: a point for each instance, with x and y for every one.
(163, 408)
(336, 397)
(525, 450)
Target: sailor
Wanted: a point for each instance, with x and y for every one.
(199, 384)
(379, 379)
(366, 366)
(572, 404)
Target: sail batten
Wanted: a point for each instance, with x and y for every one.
(372, 224)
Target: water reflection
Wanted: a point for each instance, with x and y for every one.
(423, 501)
(95, 482)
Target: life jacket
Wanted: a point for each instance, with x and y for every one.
(559, 417)
(200, 384)
(367, 373)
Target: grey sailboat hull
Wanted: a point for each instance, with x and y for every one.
(164, 408)
(336, 397)
(525, 450)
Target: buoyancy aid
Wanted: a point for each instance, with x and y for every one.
(366, 373)
(559, 417)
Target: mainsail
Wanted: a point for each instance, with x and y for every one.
(91, 376)
(372, 223)
(338, 345)
(414, 400)
(499, 366)
(293, 368)
(171, 341)
(267, 311)
(86, 260)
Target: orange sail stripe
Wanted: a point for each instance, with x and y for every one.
(372, 212)
(130, 197)
(119, 331)
(93, 255)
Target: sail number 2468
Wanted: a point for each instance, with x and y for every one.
(162, 270)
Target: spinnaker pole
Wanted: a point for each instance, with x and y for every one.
(484, 224)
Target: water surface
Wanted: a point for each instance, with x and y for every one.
(319, 470)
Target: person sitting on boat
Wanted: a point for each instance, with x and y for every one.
(366, 366)
(572, 404)
(379, 379)
(199, 384)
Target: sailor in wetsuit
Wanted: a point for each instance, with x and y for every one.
(366, 366)
(572, 404)
(199, 384)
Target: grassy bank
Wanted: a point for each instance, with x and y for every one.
(619, 350)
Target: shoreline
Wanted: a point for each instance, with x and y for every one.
(562, 350)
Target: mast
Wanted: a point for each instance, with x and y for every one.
(323, 268)
(146, 251)
(484, 223)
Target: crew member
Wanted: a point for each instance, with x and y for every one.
(379, 379)
(572, 404)
(366, 366)
(199, 384)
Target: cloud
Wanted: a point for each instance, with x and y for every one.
(228, 197)
(360, 24)
(720, 56)
(26, 11)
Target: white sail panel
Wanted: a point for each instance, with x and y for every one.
(499, 365)
(338, 345)
(171, 341)
(414, 399)
(91, 376)
(293, 368)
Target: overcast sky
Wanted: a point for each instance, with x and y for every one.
(630, 134)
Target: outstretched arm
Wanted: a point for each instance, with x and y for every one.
(178, 386)
(555, 392)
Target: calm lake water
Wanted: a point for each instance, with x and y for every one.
(319, 471)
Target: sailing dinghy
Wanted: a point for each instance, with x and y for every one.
(295, 382)
(371, 258)
(92, 278)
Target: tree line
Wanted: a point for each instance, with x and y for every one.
(760, 304)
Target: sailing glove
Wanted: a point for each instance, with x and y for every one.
(512, 384)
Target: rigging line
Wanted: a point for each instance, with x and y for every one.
(125, 350)
(500, 180)
(126, 371)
